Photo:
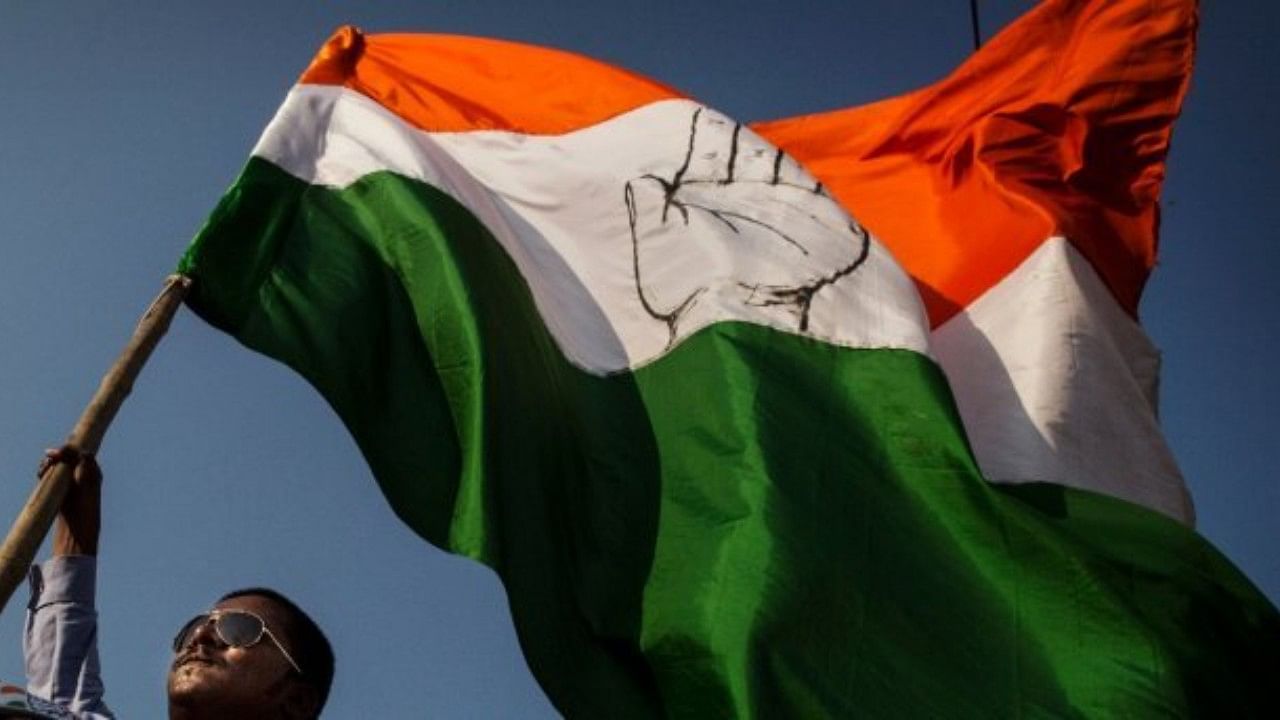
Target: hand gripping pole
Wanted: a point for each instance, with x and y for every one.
(37, 516)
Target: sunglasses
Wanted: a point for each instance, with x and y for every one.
(236, 628)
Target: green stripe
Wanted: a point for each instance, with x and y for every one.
(757, 524)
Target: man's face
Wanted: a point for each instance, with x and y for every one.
(210, 678)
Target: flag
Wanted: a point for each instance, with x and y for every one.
(621, 349)
(1021, 195)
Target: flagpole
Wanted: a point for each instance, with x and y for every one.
(37, 516)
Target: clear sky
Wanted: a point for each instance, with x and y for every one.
(122, 123)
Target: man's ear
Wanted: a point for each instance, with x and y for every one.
(300, 701)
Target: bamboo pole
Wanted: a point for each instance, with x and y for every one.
(37, 516)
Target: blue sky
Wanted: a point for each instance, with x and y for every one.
(123, 122)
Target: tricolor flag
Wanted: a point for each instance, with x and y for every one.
(1021, 195)
(650, 369)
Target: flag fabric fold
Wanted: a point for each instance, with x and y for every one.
(643, 364)
(1020, 193)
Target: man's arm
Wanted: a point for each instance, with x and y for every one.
(61, 640)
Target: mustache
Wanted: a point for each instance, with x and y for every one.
(194, 654)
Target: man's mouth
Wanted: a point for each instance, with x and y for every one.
(194, 659)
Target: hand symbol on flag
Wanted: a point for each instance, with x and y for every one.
(738, 223)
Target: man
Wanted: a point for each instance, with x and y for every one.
(253, 655)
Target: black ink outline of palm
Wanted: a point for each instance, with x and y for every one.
(800, 296)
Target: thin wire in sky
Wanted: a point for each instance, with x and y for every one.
(973, 17)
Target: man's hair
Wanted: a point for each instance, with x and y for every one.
(307, 643)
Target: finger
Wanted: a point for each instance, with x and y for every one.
(759, 162)
(724, 151)
(51, 457)
(88, 471)
(712, 149)
(721, 151)
(791, 173)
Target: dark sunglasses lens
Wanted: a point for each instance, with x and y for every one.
(239, 629)
(180, 640)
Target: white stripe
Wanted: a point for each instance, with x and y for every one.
(625, 253)
(1057, 384)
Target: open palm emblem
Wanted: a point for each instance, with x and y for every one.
(738, 223)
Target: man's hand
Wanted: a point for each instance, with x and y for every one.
(76, 532)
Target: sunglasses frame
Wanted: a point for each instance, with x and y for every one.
(184, 634)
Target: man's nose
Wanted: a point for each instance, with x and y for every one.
(204, 634)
